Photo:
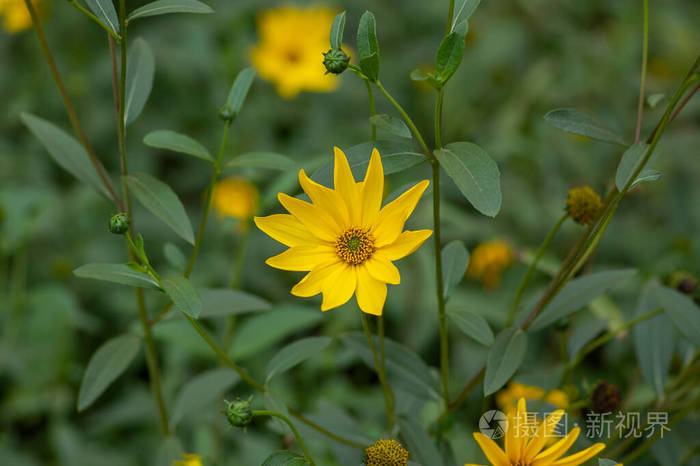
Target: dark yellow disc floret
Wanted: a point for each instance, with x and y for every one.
(386, 453)
(355, 246)
(583, 205)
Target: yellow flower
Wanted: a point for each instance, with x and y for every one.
(488, 261)
(289, 52)
(344, 238)
(386, 453)
(188, 459)
(583, 205)
(524, 446)
(235, 197)
(506, 399)
(15, 16)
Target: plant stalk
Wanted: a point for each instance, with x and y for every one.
(300, 441)
(381, 373)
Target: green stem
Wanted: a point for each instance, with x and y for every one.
(372, 108)
(89, 14)
(645, 48)
(531, 270)
(69, 107)
(300, 441)
(381, 373)
(325, 431)
(239, 259)
(450, 16)
(444, 345)
(438, 118)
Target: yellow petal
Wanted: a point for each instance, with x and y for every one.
(387, 228)
(327, 200)
(371, 293)
(286, 229)
(372, 189)
(382, 270)
(302, 258)
(580, 457)
(312, 283)
(473, 464)
(345, 185)
(543, 432)
(339, 286)
(314, 219)
(556, 450)
(515, 442)
(492, 451)
(406, 243)
(406, 202)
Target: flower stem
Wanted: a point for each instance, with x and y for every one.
(372, 108)
(439, 288)
(325, 431)
(531, 270)
(381, 373)
(450, 15)
(300, 441)
(645, 49)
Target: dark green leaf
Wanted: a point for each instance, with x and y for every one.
(170, 140)
(391, 125)
(577, 293)
(418, 442)
(104, 10)
(161, 7)
(202, 391)
(475, 174)
(284, 458)
(239, 91)
(368, 46)
(472, 324)
(295, 353)
(505, 356)
(337, 30)
(450, 53)
(575, 122)
(139, 79)
(184, 295)
(226, 302)
(628, 164)
(107, 363)
(116, 273)
(455, 258)
(271, 160)
(65, 151)
(162, 202)
(682, 310)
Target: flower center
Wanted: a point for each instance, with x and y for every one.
(355, 246)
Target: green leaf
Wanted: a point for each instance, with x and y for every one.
(419, 75)
(577, 293)
(654, 99)
(405, 368)
(175, 256)
(162, 7)
(107, 363)
(260, 331)
(162, 202)
(295, 353)
(682, 310)
(455, 258)
(224, 302)
(139, 79)
(169, 451)
(202, 391)
(184, 295)
(475, 174)
(284, 458)
(116, 273)
(449, 55)
(396, 156)
(104, 10)
(271, 160)
(654, 340)
(368, 46)
(575, 122)
(170, 140)
(65, 151)
(505, 356)
(630, 162)
(337, 30)
(472, 324)
(418, 442)
(466, 10)
(239, 91)
(391, 125)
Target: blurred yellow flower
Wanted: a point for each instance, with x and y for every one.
(488, 261)
(290, 47)
(15, 16)
(188, 459)
(583, 205)
(386, 453)
(344, 237)
(506, 399)
(235, 197)
(524, 443)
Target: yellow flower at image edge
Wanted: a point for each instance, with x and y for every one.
(289, 51)
(524, 445)
(15, 16)
(188, 459)
(345, 239)
(488, 261)
(235, 197)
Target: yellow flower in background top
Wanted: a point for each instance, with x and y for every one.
(235, 197)
(524, 444)
(290, 47)
(488, 261)
(188, 459)
(15, 16)
(506, 399)
(344, 238)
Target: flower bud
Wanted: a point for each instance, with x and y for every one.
(386, 453)
(583, 205)
(683, 281)
(606, 397)
(336, 61)
(238, 412)
(226, 114)
(119, 224)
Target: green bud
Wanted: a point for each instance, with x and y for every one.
(336, 61)
(226, 114)
(119, 224)
(238, 412)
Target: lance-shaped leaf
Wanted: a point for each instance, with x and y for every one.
(391, 125)
(104, 10)
(202, 391)
(238, 92)
(472, 324)
(682, 310)
(575, 122)
(162, 7)
(141, 67)
(284, 458)
(184, 295)
(368, 46)
(505, 356)
(116, 273)
(170, 140)
(629, 163)
(455, 259)
(271, 160)
(449, 55)
(222, 302)
(295, 353)
(337, 29)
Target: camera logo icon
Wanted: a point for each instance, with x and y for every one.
(493, 424)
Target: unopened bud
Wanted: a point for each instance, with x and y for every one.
(238, 412)
(336, 61)
(119, 224)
